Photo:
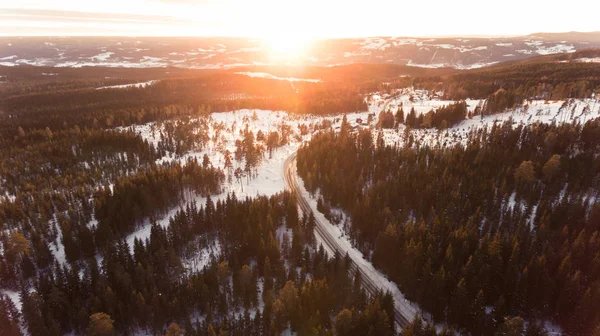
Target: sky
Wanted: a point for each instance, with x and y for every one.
(302, 19)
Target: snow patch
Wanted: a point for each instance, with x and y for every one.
(103, 56)
(124, 86)
(200, 260)
(14, 296)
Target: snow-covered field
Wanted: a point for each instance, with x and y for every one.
(534, 111)
(421, 100)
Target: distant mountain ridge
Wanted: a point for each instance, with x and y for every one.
(227, 52)
(581, 36)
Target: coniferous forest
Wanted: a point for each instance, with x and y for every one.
(507, 225)
(495, 235)
(77, 181)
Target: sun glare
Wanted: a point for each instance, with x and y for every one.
(287, 47)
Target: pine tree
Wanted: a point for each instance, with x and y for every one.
(100, 325)
(525, 172)
(551, 167)
(399, 116)
(174, 330)
(343, 323)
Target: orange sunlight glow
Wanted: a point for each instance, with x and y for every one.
(287, 47)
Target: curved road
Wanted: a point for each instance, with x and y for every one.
(369, 281)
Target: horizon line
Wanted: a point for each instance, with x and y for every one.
(313, 39)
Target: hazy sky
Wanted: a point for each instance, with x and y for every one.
(300, 18)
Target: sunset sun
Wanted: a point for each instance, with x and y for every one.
(287, 46)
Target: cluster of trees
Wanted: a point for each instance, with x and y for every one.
(85, 188)
(182, 135)
(22, 80)
(506, 85)
(132, 199)
(505, 226)
(9, 316)
(48, 185)
(250, 151)
(54, 160)
(445, 116)
(260, 283)
(442, 118)
(149, 193)
(56, 182)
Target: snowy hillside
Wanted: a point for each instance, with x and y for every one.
(536, 111)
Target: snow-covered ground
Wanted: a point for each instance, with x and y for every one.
(267, 177)
(552, 329)
(203, 258)
(588, 60)
(422, 101)
(577, 111)
(57, 247)
(14, 296)
(459, 66)
(199, 53)
(535, 111)
(124, 86)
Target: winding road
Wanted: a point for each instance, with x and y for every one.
(372, 280)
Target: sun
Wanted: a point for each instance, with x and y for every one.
(287, 46)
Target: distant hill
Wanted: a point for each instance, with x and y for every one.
(592, 37)
(223, 53)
